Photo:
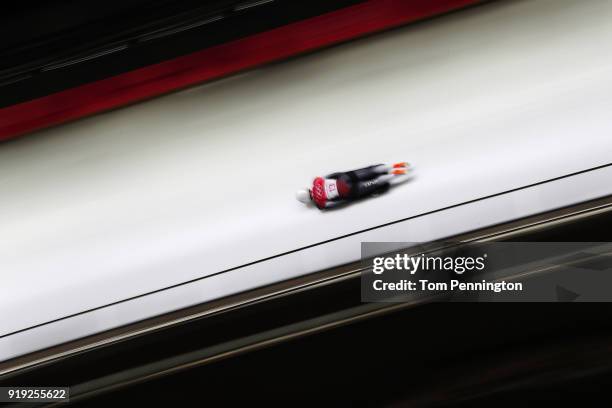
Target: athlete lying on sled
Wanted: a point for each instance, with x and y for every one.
(340, 188)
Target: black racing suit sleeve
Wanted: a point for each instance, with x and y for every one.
(333, 204)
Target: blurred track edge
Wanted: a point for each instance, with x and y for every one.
(218, 61)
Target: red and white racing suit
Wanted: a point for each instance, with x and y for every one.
(338, 188)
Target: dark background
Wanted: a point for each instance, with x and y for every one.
(40, 34)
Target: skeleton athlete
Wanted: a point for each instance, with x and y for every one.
(340, 188)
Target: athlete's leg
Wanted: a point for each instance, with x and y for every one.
(369, 187)
(396, 168)
(379, 184)
(367, 173)
(370, 172)
(380, 169)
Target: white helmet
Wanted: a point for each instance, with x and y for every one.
(303, 196)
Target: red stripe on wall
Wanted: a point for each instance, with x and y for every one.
(218, 61)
